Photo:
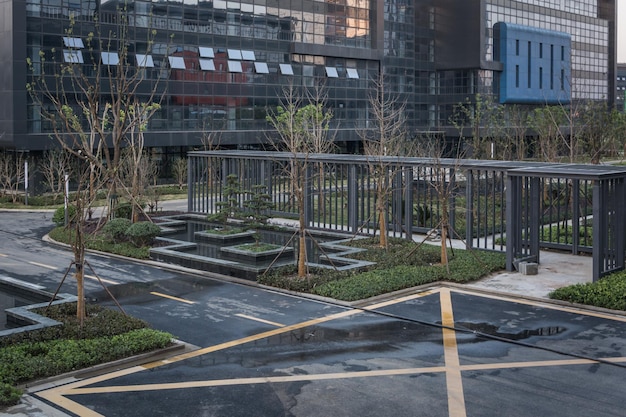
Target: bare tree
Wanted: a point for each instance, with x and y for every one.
(441, 177)
(87, 120)
(179, 171)
(11, 173)
(54, 165)
(547, 122)
(299, 123)
(382, 144)
(90, 122)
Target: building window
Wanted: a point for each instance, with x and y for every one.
(176, 62)
(540, 78)
(207, 65)
(70, 42)
(517, 47)
(261, 68)
(72, 57)
(286, 69)
(234, 54)
(540, 50)
(206, 52)
(331, 72)
(352, 73)
(110, 58)
(234, 66)
(517, 76)
(248, 56)
(144, 61)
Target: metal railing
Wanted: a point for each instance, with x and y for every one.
(551, 206)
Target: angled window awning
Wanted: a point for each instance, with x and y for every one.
(176, 62)
(207, 65)
(145, 61)
(286, 69)
(72, 57)
(261, 68)
(110, 58)
(206, 52)
(71, 42)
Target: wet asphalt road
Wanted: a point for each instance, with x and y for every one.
(442, 352)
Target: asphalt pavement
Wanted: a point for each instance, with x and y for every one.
(491, 348)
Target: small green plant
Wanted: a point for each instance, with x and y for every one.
(142, 233)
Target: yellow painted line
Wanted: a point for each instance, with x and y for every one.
(401, 299)
(256, 380)
(252, 338)
(69, 405)
(182, 300)
(545, 305)
(454, 381)
(54, 268)
(2, 255)
(108, 281)
(260, 320)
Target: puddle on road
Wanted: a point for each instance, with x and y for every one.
(493, 330)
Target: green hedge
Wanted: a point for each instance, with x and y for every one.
(609, 292)
(402, 266)
(101, 243)
(29, 361)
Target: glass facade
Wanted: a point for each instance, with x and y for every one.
(222, 64)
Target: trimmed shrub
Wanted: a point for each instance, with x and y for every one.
(123, 210)
(59, 215)
(9, 395)
(115, 229)
(142, 233)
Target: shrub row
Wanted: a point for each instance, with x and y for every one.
(609, 292)
(28, 361)
(402, 266)
(61, 234)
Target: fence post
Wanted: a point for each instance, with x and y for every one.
(352, 199)
(469, 209)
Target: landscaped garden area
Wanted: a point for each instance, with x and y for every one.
(105, 336)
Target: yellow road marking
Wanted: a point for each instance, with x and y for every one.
(260, 320)
(108, 281)
(43, 265)
(257, 380)
(452, 366)
(182, 300)
(2, 255)
(454, 381)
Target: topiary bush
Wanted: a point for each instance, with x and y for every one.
(143, 233)
(59, 215)
(115, 229)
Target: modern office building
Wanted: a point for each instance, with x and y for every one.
(222, 64)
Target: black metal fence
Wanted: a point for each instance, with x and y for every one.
(577, 208)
